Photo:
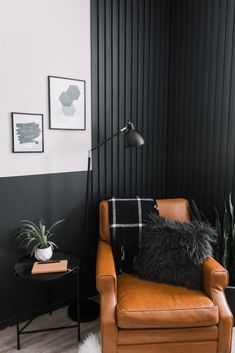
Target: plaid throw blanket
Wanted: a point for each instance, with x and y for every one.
(126, 220)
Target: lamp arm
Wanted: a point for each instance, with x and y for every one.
(107, 139)
(88, 173)
(84, 243)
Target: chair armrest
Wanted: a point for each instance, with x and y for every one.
(215, 279)
(105, 268)
(106, 284)
(214, 276)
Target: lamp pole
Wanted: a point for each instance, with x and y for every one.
(88, 174)
(89, 309)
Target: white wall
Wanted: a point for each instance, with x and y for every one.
(39, 38)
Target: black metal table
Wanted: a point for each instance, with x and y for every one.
(23, 269)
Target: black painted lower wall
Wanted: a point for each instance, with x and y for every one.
(52, 197)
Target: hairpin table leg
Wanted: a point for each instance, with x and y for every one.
(17, 312)
(78, 309)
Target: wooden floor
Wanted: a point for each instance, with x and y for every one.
(61, 341)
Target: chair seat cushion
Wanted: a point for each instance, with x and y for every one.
(145, 304)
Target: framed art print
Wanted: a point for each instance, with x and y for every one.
(67, 103)
(27, 132)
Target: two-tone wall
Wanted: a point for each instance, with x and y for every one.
(168, 66)
(37, 39)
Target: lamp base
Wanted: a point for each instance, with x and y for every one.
(89, 310)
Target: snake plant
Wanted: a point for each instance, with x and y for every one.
(36, 235)
(225, 234)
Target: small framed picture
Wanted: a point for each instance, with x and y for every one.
(67, 103)
(27, 132)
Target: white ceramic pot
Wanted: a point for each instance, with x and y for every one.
(43, 254)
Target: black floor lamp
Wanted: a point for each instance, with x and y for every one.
(89, 309)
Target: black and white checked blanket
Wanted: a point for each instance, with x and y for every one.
(126, 220)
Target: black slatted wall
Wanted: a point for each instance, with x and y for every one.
(201, 104)
(169, 66)
(130, 42)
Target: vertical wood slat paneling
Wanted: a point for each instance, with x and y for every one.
(130, 59)
(134, 93)
(101, 96)
(122, 93)
(128, 88)
(94, 91)
(115, 93)
(201, 114)
(140, 73)
(145, 93)
(151, 65)
(168, 66)
(230, 160)
(108, 95)
(162, 82)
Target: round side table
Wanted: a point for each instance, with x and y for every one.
(23, 269)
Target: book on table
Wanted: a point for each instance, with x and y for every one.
(52, 266)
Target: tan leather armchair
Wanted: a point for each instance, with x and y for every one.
(138, 316)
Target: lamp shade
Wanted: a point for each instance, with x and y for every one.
(132, 137)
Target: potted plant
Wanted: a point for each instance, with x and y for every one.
(225, 243)
(36, 236)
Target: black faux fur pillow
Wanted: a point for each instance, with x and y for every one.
(173, 252)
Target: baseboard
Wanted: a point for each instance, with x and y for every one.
(29, 314)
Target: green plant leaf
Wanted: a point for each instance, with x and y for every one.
(27, 222)
(55, 224)
(231, 207)
(218, 228)
(194, 211)
(226, 232)
(50, 235)
(36, 233)
(23, 233)
(34, 248)
(53, 245)
(217, 222)
(42, 227)
(30, 241)
(25, 240)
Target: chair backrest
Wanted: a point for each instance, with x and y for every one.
(175, 209)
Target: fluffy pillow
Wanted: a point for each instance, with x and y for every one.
(173, 252)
